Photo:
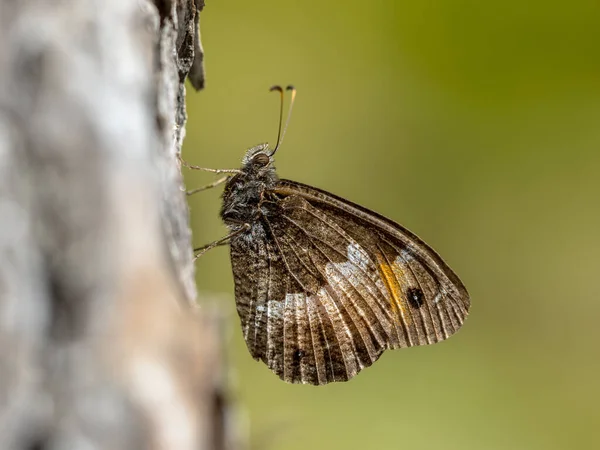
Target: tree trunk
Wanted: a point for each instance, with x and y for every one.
(102, 346)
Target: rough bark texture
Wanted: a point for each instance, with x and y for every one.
(101, 345)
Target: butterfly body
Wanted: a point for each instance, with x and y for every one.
(324, 286)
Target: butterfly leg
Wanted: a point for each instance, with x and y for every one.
(191, 166)
(223, 241)
(208, 186)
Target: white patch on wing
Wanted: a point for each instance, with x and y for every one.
(358, 256)
(358, 262)
(405, 256)
(260, 310)
(275, 308)
(441, 294)
(293, 298)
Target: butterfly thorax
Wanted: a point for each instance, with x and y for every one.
(244, 193)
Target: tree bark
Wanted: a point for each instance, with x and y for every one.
(101, 343)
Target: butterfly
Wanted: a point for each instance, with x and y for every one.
(323, 286)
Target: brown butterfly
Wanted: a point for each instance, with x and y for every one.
(323, 286)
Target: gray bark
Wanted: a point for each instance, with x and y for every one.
(101, 344)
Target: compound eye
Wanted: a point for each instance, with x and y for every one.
(261, 159)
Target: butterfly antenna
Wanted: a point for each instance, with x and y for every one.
(280, 90)
(281, 135)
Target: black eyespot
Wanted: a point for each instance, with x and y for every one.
(261, 159)
(298, 355)
(415, 297)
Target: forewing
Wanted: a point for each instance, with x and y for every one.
(426, 291)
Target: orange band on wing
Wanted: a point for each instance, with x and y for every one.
(391, 283)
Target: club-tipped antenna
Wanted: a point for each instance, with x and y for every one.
(280, 90)
(280, 134)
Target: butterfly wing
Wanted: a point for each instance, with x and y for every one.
(337, 285)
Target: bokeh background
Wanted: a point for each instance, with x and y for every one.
(476, 125)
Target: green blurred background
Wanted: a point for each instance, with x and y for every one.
(476, 125)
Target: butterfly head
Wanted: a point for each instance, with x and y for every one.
(259, 156)
(258, 161)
